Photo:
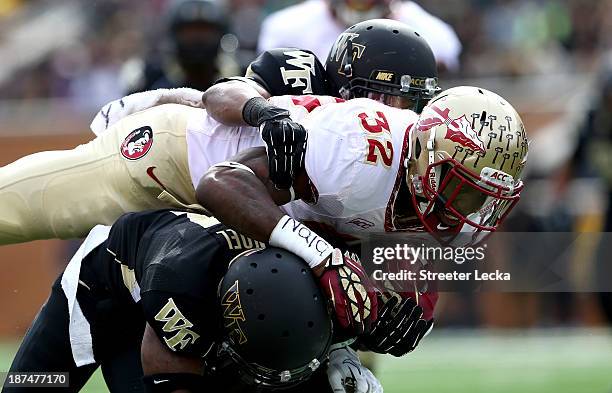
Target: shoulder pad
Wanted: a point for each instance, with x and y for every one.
(289, 71)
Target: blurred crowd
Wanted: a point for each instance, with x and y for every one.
(498, 38)
(100, 50)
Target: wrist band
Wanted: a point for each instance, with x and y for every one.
(294, 236)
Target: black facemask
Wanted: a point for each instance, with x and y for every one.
(196, 55)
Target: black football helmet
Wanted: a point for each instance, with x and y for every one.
(385, 60)
(195, 29)
(277, 325)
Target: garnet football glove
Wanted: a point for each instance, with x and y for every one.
(399, 327)
(346, 374)
(285, 140)
(346, 284)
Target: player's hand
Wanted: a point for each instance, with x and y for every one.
(348, 287)
(116, 110)
(399, 328)
(286, 147)
(346, 374)
(285, 139)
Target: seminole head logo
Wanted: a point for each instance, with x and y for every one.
(458, 130)
(233, 314)
(341, 48)
(138, 143)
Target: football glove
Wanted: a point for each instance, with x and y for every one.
(286, 147)
(399, 328)
(346, 374)
(350, 290)
(285, 140)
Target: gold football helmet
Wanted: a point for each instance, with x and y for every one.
(469, 148)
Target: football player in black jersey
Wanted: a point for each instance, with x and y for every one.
(154, 294)
(189, 54)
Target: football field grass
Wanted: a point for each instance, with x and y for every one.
(480, 361)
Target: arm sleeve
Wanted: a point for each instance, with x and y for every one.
(177, 319)
(289, 71)
(127, 232)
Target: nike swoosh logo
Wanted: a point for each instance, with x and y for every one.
(158, 381)
(152, 176)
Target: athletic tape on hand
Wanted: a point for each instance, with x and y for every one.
(294, 236)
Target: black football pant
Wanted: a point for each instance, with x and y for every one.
(46, 346)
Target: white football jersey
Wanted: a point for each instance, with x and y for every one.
(354, 153)
(353, 159)
(210, 142)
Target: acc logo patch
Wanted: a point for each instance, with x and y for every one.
(137, 144)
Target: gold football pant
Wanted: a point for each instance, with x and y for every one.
(140, 163)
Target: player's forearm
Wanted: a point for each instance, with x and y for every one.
(239, 200)
(225, 101)
(241, 196)
(166, 371)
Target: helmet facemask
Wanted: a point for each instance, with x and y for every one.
(403, 96)
(460, 199)
(410, 92)
(254, 374)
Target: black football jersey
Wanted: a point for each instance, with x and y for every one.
(289, 71)
(173, 263)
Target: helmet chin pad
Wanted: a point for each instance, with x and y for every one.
(464, 200)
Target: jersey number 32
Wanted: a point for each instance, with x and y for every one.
(378, 136)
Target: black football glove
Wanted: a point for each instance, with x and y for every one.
(398, 329)
(286, 148)
(285, 140)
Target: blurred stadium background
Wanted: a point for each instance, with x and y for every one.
(61, 60)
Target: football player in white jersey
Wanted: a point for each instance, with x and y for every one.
(373, 168)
